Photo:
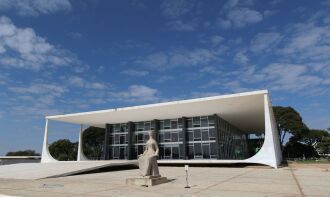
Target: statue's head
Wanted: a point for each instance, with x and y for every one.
(151, 133)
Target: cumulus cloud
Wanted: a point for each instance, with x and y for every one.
(216, 39)
(178, 58)
(22, 48)
(176, 8)
(135, 73)
(242, 16)
(39, 89)
(238, 14)
(241, 58)
(164, 78)
(137, 93)
(35, 7)
(290, 77)
(176, 11)
(179, 25)
(264, 41)
(75, 81)
(308, 41)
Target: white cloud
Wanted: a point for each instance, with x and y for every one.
(164, 78)
(39, 89)
(238, 14)
(137, 93)
(75, 35)
(264, 41)
(181, 14)
(176, 8)
(241, 17)
(289, 77)
(216, 39)
(179, 58)
(35, 7)
(223, 23)
(179, 25)
(96, 85)
(241, 58)
(76, 81)
(3, 79)
(22, 48)
(307, 41)
(135, 73)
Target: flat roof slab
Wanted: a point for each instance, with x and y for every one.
(244, 110)
(34, 171)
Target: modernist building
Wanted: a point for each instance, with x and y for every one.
(205, 130)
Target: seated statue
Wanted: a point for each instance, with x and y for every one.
(148, 160)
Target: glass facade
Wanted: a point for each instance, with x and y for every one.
(141, 136)
(170, 139)
(232, 142)
(200, 137)
(118, 140)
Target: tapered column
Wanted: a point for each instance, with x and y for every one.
(46, 157)
(184, 138)
(81, 156)
(130, 136)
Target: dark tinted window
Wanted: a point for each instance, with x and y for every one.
(204, 122)
(205, 135)
(197, 135)
(175, 152)
(175, 137)
(174, 124)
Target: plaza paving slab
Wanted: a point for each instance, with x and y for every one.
(204, 181)
(46, 170)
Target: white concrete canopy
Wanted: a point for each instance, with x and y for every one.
(250, 111)
(244, 110)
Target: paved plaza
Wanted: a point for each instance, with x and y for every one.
(296, 180)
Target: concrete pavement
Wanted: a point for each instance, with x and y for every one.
(204, 181)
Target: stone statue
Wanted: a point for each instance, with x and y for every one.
(148, 160)
(148, 166)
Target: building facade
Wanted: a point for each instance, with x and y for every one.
(210, 130)
(198, 137)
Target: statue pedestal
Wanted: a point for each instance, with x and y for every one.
(146, 180)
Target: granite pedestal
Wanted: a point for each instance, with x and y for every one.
(146, 180)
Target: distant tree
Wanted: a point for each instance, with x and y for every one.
(289, 121)
(64, 150)
(93, 142)
(324, 146)
(295, 149)
(314, 136)
(23, 153)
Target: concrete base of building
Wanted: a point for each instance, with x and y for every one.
(146, 181)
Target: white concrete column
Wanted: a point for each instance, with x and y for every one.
(46, 157)
(81, 156)
(270, 152)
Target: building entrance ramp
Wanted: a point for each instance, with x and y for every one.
(35, 171)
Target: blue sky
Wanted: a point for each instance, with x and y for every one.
(62, 56)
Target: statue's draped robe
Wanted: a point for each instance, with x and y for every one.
(148, 161)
